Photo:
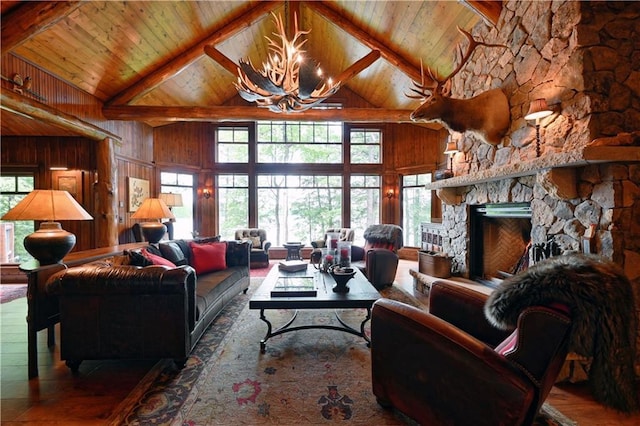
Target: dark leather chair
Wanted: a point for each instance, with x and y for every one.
(378, 259)
(451, 366)
(259, 255)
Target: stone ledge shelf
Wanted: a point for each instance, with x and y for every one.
(556, 172)
(589, 155)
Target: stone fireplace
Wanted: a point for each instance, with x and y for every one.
(586, 177)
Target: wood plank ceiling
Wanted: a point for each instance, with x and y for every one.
(146, 60)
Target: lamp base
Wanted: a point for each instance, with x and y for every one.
(153, 231)
(49, 244)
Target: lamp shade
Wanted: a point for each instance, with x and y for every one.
(451, 148)
(47, 205)
(171, 199)
(49, 244)
(153, 208)
(538, 109)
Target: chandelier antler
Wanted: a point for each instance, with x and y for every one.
(288, 82)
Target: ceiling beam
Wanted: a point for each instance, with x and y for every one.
(245, 18)
(252, 113)
(489, 10)
(30, 19)
(21, 105)
(387, 53)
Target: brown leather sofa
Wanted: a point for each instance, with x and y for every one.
(123, 311)
(450, 366)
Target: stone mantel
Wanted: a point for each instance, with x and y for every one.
(580, 158)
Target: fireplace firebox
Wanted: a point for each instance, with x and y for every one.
(500, 241)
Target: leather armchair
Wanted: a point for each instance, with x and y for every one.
(449, 366)
(380, 258)
(259, 255)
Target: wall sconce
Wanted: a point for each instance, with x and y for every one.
(452, 148)
(537, 110)
(390, 193)
(206, 193)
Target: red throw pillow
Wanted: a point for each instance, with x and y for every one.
(208, 257)
(157, 260)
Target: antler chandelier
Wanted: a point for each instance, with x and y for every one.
(288, 82)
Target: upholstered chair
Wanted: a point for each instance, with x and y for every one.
(378, 259)
(344, 234)
(450, 366)
(259, 257)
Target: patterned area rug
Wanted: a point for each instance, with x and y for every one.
(305, 377)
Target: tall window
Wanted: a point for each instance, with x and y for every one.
(365, 203)
(13, 189)
(233, 203)
(180, 183)
(298, 208)
(416, 207)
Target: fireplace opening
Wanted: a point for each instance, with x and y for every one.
(500, 241)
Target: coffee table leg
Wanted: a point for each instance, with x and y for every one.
(263, 342)
(285, 328)
(364, 335)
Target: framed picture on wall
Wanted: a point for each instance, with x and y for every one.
(138, 192)
(69, 181)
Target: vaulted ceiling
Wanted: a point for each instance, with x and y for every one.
(165, 60)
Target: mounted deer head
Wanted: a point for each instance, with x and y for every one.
(486, 115)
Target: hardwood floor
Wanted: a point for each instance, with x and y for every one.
(58, 397)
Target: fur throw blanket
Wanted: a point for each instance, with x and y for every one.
(603, 313)
(385, 233)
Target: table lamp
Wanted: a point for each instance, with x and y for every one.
(153, 208)
(49, 244)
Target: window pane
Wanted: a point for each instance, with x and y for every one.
(416, 207)
(233, 204)
(295, 142)
(232, 144)
(366, 146)
(298, 208)
(14, 189)
(180, 183)
(365, 204)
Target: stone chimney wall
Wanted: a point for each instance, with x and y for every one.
(581, 57)
(584, 59)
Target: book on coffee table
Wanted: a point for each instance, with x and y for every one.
(294, 287)
(292, 265)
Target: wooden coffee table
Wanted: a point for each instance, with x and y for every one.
(361, 295)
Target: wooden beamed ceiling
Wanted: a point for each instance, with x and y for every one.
(137, 60)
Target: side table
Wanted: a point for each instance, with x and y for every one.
(293, 250)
